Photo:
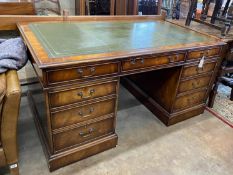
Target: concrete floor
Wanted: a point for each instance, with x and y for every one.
(199, 146)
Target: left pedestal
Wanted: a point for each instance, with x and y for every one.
(75, 121)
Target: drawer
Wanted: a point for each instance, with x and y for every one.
(189, 100)
(207, 53)
(74, 95)
(83, 134)
(75, 115)
(192, 84)
(144, 62)
(77, 73)
(189, 71)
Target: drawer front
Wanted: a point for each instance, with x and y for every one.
(83, 113)
(188, 85)
(144, 62)
(71, 96)
(189, 71)
(83, 134)
(189, 100)
(207, 53)
(77, 73)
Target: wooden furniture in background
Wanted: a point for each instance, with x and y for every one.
(149, 7)
(222, 33)
(75, 103)
(227, 81)
(82, 7)
(132, 7)
(17, 7)
(9, 112)
(225, 69)
(218, 16)
(121, 7)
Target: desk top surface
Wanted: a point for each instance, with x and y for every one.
(70, 41)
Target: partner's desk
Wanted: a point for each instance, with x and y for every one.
(79, 63)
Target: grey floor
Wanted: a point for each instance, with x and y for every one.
(199, 146)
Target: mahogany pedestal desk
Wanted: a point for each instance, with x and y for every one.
(169, 68)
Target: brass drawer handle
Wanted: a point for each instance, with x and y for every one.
(134, 60)
(87, 133)
(177, 58)
(195, 84)
(142, 60)
(90, 111)
(92, 69)
(202, 54)
(171, 59)
(200, 70)
(190, 100)
(91, 93)
(81, 72)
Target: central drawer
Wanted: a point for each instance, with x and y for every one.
(79, 94)
(145, 62)
(83, 134)
(75, 115)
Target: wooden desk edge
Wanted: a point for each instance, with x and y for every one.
(46, 62)
(16, 21)
(113, 56)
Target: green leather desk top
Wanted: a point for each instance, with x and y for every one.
(84, 38)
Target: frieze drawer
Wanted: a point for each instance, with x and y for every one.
(83, 134)
(207, 53)
(75, 115)
(74, 95)
(145, 62)
(196, 83)
(82, 72)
